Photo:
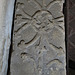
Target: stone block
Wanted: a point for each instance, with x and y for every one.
(38, 38)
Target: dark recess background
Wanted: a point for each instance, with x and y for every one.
(70, 29)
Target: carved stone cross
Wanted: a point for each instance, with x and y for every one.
(38, 37)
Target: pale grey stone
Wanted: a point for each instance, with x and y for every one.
(27, 6)
(6, 16)
(47, 2)
(54, 37)
(44, 2)
(55, 9)
(23, 64)
(38, 39)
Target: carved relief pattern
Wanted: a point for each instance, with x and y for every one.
(38, 38)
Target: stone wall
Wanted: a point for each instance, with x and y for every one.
(39, 38)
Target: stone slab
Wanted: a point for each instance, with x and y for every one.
(39, 38)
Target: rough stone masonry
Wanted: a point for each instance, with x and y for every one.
(38, 38)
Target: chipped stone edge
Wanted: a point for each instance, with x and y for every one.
(62, 6)
(6, 16)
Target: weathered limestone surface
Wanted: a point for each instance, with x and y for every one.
(6, 14)
(39, 38)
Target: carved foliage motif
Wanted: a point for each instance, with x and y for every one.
(38, 37)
